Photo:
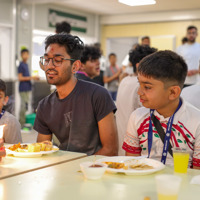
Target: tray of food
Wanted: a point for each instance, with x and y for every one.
(31, 149)
(132, 165)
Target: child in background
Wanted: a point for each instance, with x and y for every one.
(25, 85)
(161, 76)
(111, 76)
(12, 128)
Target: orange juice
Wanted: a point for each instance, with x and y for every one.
(181, 162)
(167, 197)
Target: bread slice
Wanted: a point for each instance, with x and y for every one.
(35, 147)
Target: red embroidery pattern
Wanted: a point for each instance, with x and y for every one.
(196, 162)
(130, 149)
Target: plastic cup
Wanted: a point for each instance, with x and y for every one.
(167, 186)
(181, 159)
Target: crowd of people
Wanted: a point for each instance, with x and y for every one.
(127, 116)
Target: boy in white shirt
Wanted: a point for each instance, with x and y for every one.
(12, 128)
(161, 76)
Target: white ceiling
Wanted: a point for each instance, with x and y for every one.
(113, 7)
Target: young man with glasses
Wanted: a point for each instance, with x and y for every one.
(79, 113)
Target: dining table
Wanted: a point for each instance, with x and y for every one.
(66, 181)
(12, 165)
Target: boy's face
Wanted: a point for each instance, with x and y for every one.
(3, 100)
(152, 93)
(92, 67)
(25, 56)
(113, 60)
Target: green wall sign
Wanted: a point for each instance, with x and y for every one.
(78, 23)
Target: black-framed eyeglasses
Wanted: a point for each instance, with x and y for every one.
(57, 60)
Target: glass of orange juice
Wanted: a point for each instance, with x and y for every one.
(167, 186)
(181, 159)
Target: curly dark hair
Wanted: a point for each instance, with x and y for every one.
(3, 86)
(64, 27)
(73, 45)
(166, 66)
(136, 55)
(90, 53)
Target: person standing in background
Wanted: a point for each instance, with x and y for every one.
(190, 51)
(111, 75)
(99, 79)
(25, 86)
(145, 41)
(184, 40)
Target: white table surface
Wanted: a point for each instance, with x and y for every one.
(11, 166)
(65, 181)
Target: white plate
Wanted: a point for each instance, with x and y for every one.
(157, 166)
(29, 154)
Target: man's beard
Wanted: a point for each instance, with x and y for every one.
(66, 76)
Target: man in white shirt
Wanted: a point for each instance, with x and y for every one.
(192, 95)
(190, 51)
(127, 97)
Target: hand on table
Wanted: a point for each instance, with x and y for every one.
(2, 149)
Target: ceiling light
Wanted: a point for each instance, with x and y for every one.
(137, 2)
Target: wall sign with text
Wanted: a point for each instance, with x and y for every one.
(78, 23)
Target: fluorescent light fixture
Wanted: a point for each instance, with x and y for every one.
(137, 2)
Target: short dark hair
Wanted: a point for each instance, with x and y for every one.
(2, 86)
(191, 27)
(184, 40)
(24, 50)
(145, 37)
(63, 27)
(73, 45)
(166, 66)
(90, 53)
(112, 54)
(97, 45)
(136, 55)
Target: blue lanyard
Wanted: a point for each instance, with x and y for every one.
(2, 112)
(167, 135)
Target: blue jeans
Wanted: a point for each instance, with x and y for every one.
(113, 95)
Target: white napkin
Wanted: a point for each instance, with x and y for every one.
(195, 180)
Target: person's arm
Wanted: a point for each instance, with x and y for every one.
(23, 78)
(2, 150)
(107, 79)
(27, 78)
(131, 154)
(194, 167)
(12, 131)
(108, 136)
(41, 137)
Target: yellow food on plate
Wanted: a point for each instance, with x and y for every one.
(140, 166)
(34, 147)
(116, 165)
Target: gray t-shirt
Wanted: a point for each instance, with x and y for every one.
(74, 119)
(113, 85)
(12, 130)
